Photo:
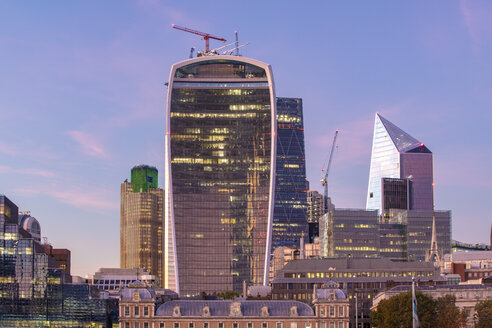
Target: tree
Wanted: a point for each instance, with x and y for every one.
(229, 295)
(483, 314)
(448, 315)
(397, 311)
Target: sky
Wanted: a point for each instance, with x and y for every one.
(82, 98)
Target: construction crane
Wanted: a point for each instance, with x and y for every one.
(325, 170)
(206, 36)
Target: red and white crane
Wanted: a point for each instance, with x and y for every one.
(206, 36)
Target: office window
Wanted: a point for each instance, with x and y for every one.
(340, 311)
(322, 324)
(235, 325)
(332, 311)
(146, 311)
(221, 325)
(136, 311)
(205, 325)
(127, 311)
(340, 325)
(332, 325)
(136, 325)
(146, 325)
(264, 325)
(176, 325)
(191, 325)
(250, 325)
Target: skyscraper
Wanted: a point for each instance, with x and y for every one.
(400, 221)
(401, 174)
(289, 214)
(220, 169)
(141, 221)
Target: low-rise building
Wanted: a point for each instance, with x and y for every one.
(362, 278)
(138, 309)
(471, 266)
(113, 279)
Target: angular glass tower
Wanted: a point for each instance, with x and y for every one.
(401, 173)
(289, 215)
(220, 169)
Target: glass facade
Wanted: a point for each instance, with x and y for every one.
(141, 222)
(396, 154)
(32, 289)
(220, 157)
(349, 233)
(290, 212)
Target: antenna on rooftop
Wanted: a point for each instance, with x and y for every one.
(237, 43)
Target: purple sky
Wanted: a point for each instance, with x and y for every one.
(82, 98)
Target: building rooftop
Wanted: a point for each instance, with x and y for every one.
(338, 264)
(356, 279)
(441, 287)
(195, 308)
(471, 256)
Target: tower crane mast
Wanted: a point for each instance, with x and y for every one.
(206, 36)
(326, 170)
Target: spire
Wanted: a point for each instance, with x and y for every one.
(433, 252)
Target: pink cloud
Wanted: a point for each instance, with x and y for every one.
(476, 16)
(89, 144)
(38, 172)
(7, 149)
(82, 199)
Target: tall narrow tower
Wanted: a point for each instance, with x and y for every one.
(220, 170)
(289, 214)
(141, 221)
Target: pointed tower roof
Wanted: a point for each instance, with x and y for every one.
(402, 140)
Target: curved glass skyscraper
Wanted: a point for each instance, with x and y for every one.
(220, 169)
